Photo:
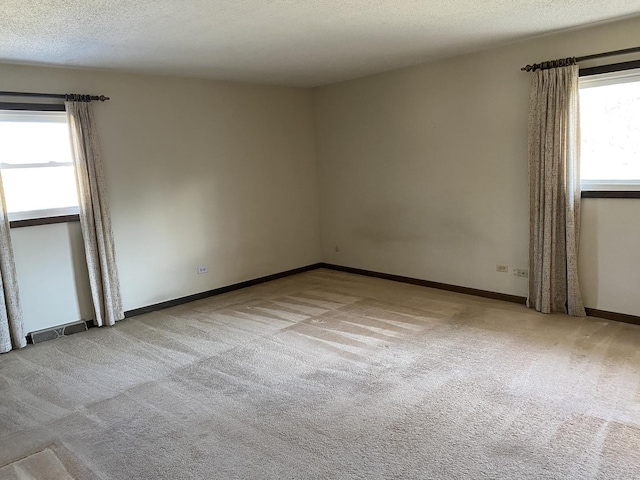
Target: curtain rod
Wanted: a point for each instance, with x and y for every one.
(62, 96)
(541, 66)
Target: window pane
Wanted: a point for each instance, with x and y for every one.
(34, 138)
(610, 131)
(39, 188)
(29, 144)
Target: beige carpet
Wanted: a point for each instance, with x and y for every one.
(330, 375)
(37, 466)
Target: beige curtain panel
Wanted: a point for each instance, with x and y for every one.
(95, 219)
(554, 192)
(11, 325)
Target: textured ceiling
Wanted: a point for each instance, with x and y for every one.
(289, 42)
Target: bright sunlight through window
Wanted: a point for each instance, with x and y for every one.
(610, 131)
(37, 170)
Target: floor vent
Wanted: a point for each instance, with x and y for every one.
(61, 331)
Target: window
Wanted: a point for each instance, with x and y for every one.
(37, 170)
(610, 131)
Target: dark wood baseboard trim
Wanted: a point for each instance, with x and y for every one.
(427, 283)
(618, 317)
(592, 312)
(217, 291)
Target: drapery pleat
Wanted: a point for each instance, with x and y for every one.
(554, 192)
(11, 324)
(95, 220)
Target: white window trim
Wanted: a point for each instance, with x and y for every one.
(610, 78)
(35, 214)
(54, 116)
(610, 185)
(6, 166)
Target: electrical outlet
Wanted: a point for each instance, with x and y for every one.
(502, 268)
(521, 272)
(203, 269)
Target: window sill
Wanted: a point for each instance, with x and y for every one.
(32, 222)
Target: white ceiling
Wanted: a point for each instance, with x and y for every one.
(289, 42)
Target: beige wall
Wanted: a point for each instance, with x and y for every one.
(423, 173)
(609, 254)
(198, 173)
(52, 275)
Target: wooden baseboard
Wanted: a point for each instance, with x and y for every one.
(427, 283)
(592, 312)
(618, 317)
(217, 291)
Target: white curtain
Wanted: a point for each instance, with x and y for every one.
(554, 191)
(11, 326)
(95, 219)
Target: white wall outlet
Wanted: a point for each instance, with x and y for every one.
(521, 272)
(502, 268)
(203, 269)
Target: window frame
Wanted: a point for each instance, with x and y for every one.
(617, 189)
(41, 217)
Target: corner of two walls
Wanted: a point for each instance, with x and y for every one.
(423, 173)
(419, 177)
(419, 172)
